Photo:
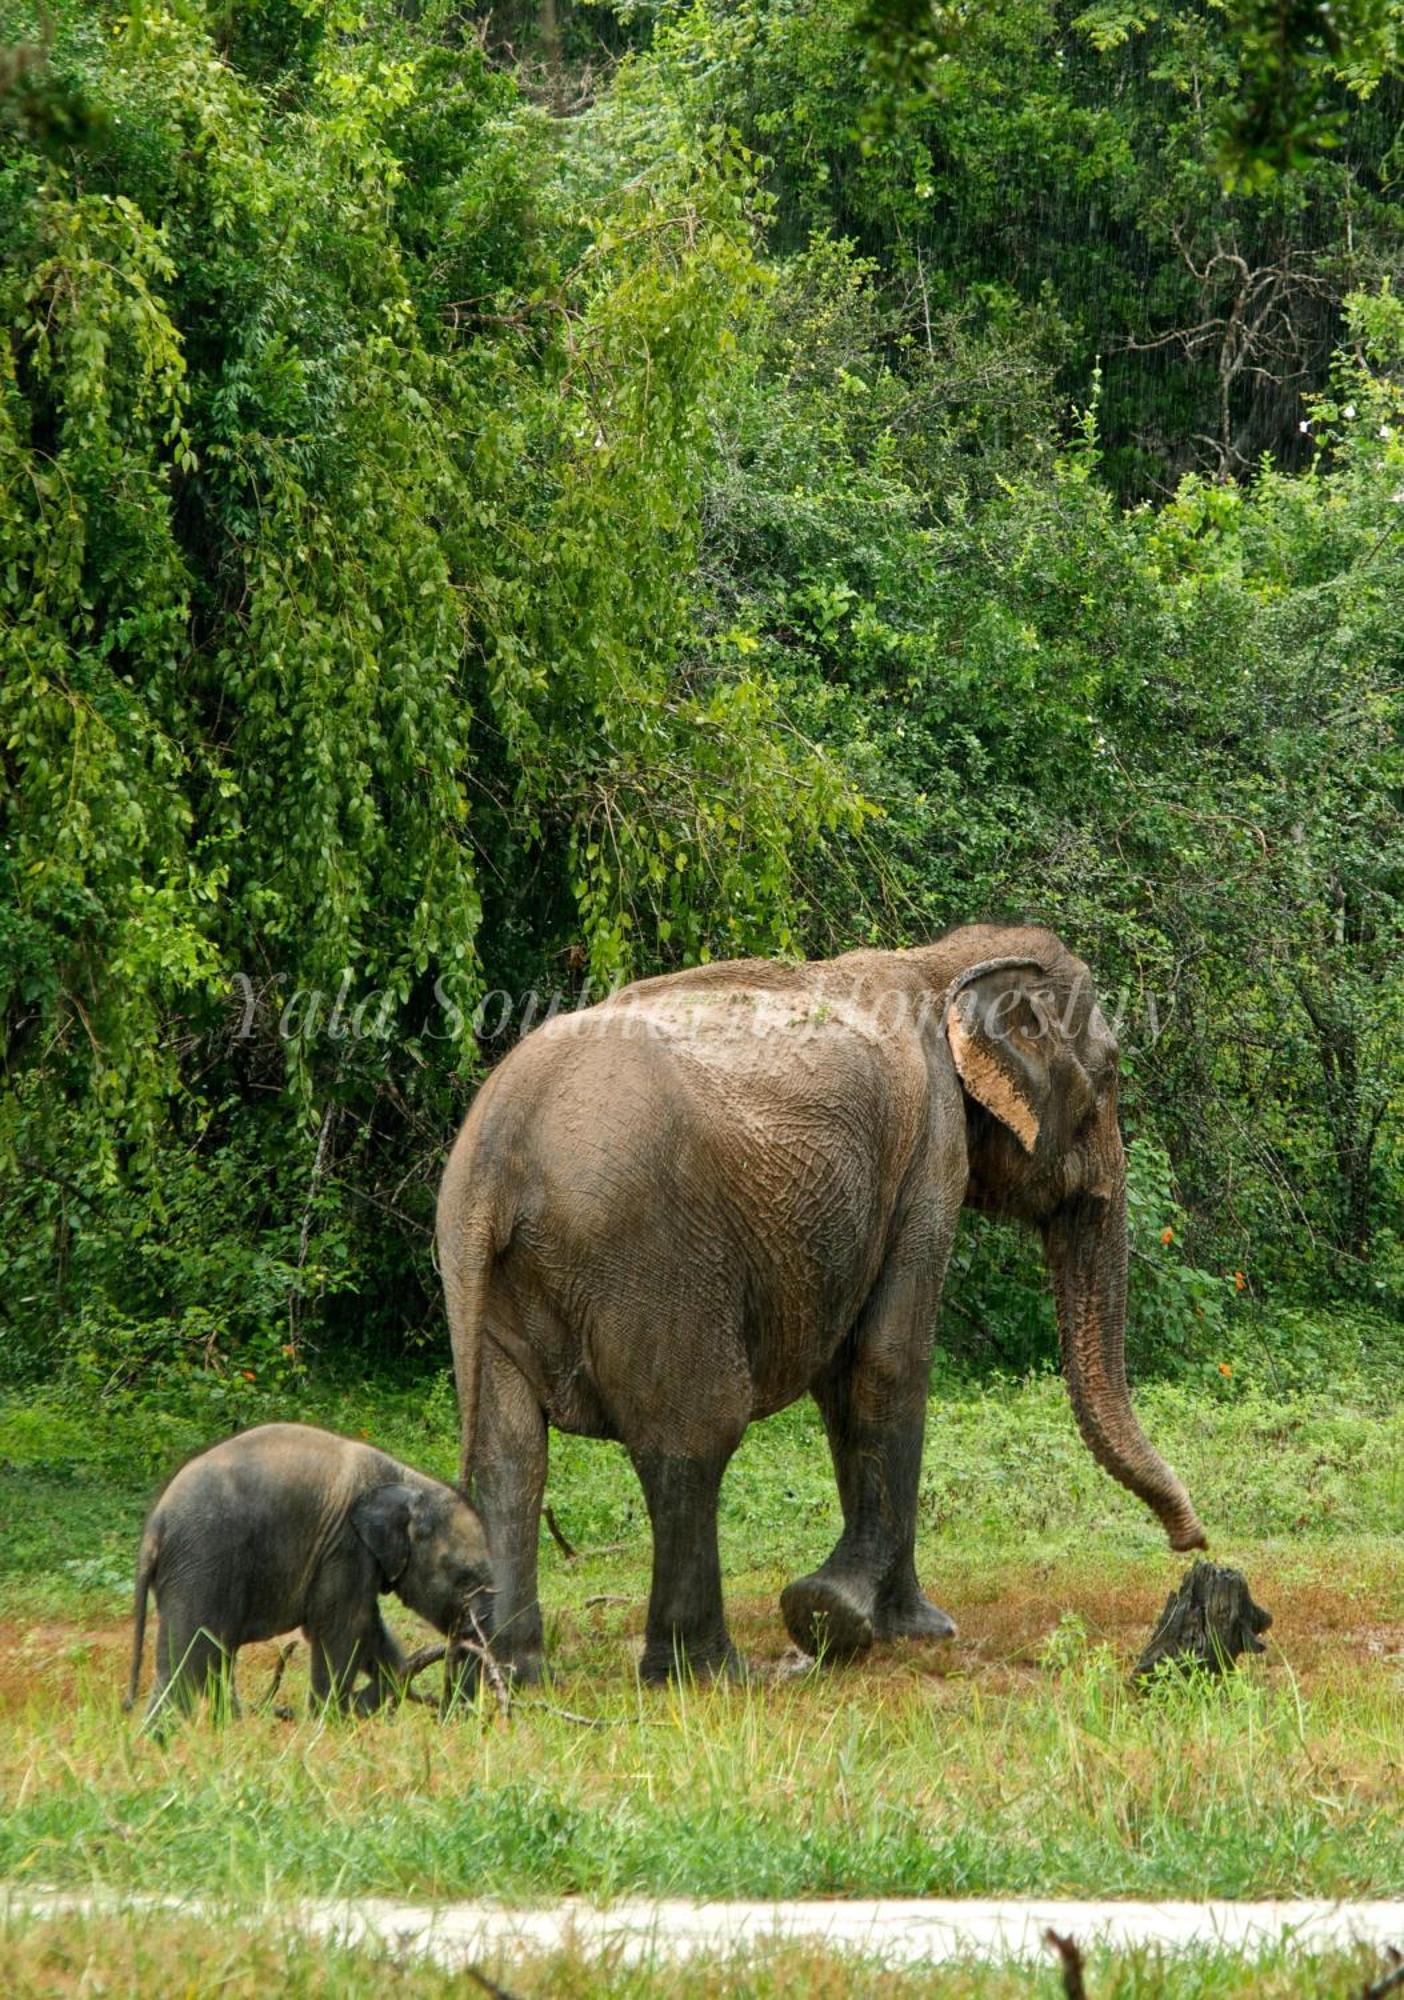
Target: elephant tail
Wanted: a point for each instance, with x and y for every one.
(145, 1576)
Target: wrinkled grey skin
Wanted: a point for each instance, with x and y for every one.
(288, 1526)
(715, 1192)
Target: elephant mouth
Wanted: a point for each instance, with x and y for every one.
(469, 1621)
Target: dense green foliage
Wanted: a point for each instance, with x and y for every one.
(1307, 1402)
(452, 551)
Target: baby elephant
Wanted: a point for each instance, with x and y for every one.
(287, 1526)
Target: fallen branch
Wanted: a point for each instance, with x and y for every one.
(571, 1555)
(607, 1597)
(489, 1985)
(1074, 1968)
(569, 1715)
(280, 1667)
(414, 1666)
(1388, 1982)
(476, 1648)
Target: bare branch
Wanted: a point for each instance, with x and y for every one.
(280, 1667)
(558, 1537)
(1074, 1966)
(1388, 1982)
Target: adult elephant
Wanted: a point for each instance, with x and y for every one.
(713, 1192)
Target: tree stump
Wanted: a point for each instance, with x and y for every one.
(1206, 1623)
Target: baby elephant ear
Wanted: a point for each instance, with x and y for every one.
(381, 1519)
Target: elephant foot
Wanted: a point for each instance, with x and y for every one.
(523, 1669)
(828, 1618)
(465, 1677)
(520, 1658)
(670, 1660)
(913, 1617)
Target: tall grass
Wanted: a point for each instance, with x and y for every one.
(170, 1957)
(1011, 1761)
(967, 1773)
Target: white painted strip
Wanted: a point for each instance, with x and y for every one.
(908, 1932)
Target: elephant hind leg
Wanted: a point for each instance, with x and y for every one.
(508, 1483)
(686, 1630)
(873, 1401)
(189, 1662)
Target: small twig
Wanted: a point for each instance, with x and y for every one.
(1388, 1982)
(280, 1667)
(1074, 1984)
(569, 1715)
(570, 1554)
(480, 1650)
(414, 1666)
(427, 1656)
(606, 1597)
(319, 1163)
(488, 1985)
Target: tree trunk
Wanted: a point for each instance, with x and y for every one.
(1206, 1623)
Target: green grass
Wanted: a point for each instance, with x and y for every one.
(159, 1957)
(978, 1781)
(1013, 1761)
(1005, 1474)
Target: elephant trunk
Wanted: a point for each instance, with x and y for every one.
(1086, 1248)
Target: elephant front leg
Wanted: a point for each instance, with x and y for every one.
(508, 1482)
(868, 1587)
(384, 1663)
(686, 1630)
(873, 1401)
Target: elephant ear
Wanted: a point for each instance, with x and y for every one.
(1002, 1038)
(384, 1521)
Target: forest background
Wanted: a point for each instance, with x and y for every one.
(494, 504)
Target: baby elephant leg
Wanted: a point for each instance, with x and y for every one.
(385, 1667)
(348, 1638)
(188, 1660)
(335, 1666)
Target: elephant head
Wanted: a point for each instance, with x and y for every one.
(1038, 1063)
(431, 1551)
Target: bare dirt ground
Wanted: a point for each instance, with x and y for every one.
(1324, 1631)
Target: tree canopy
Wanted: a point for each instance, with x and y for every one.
(490, 509)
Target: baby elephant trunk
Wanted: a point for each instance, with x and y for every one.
(468, 1659)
